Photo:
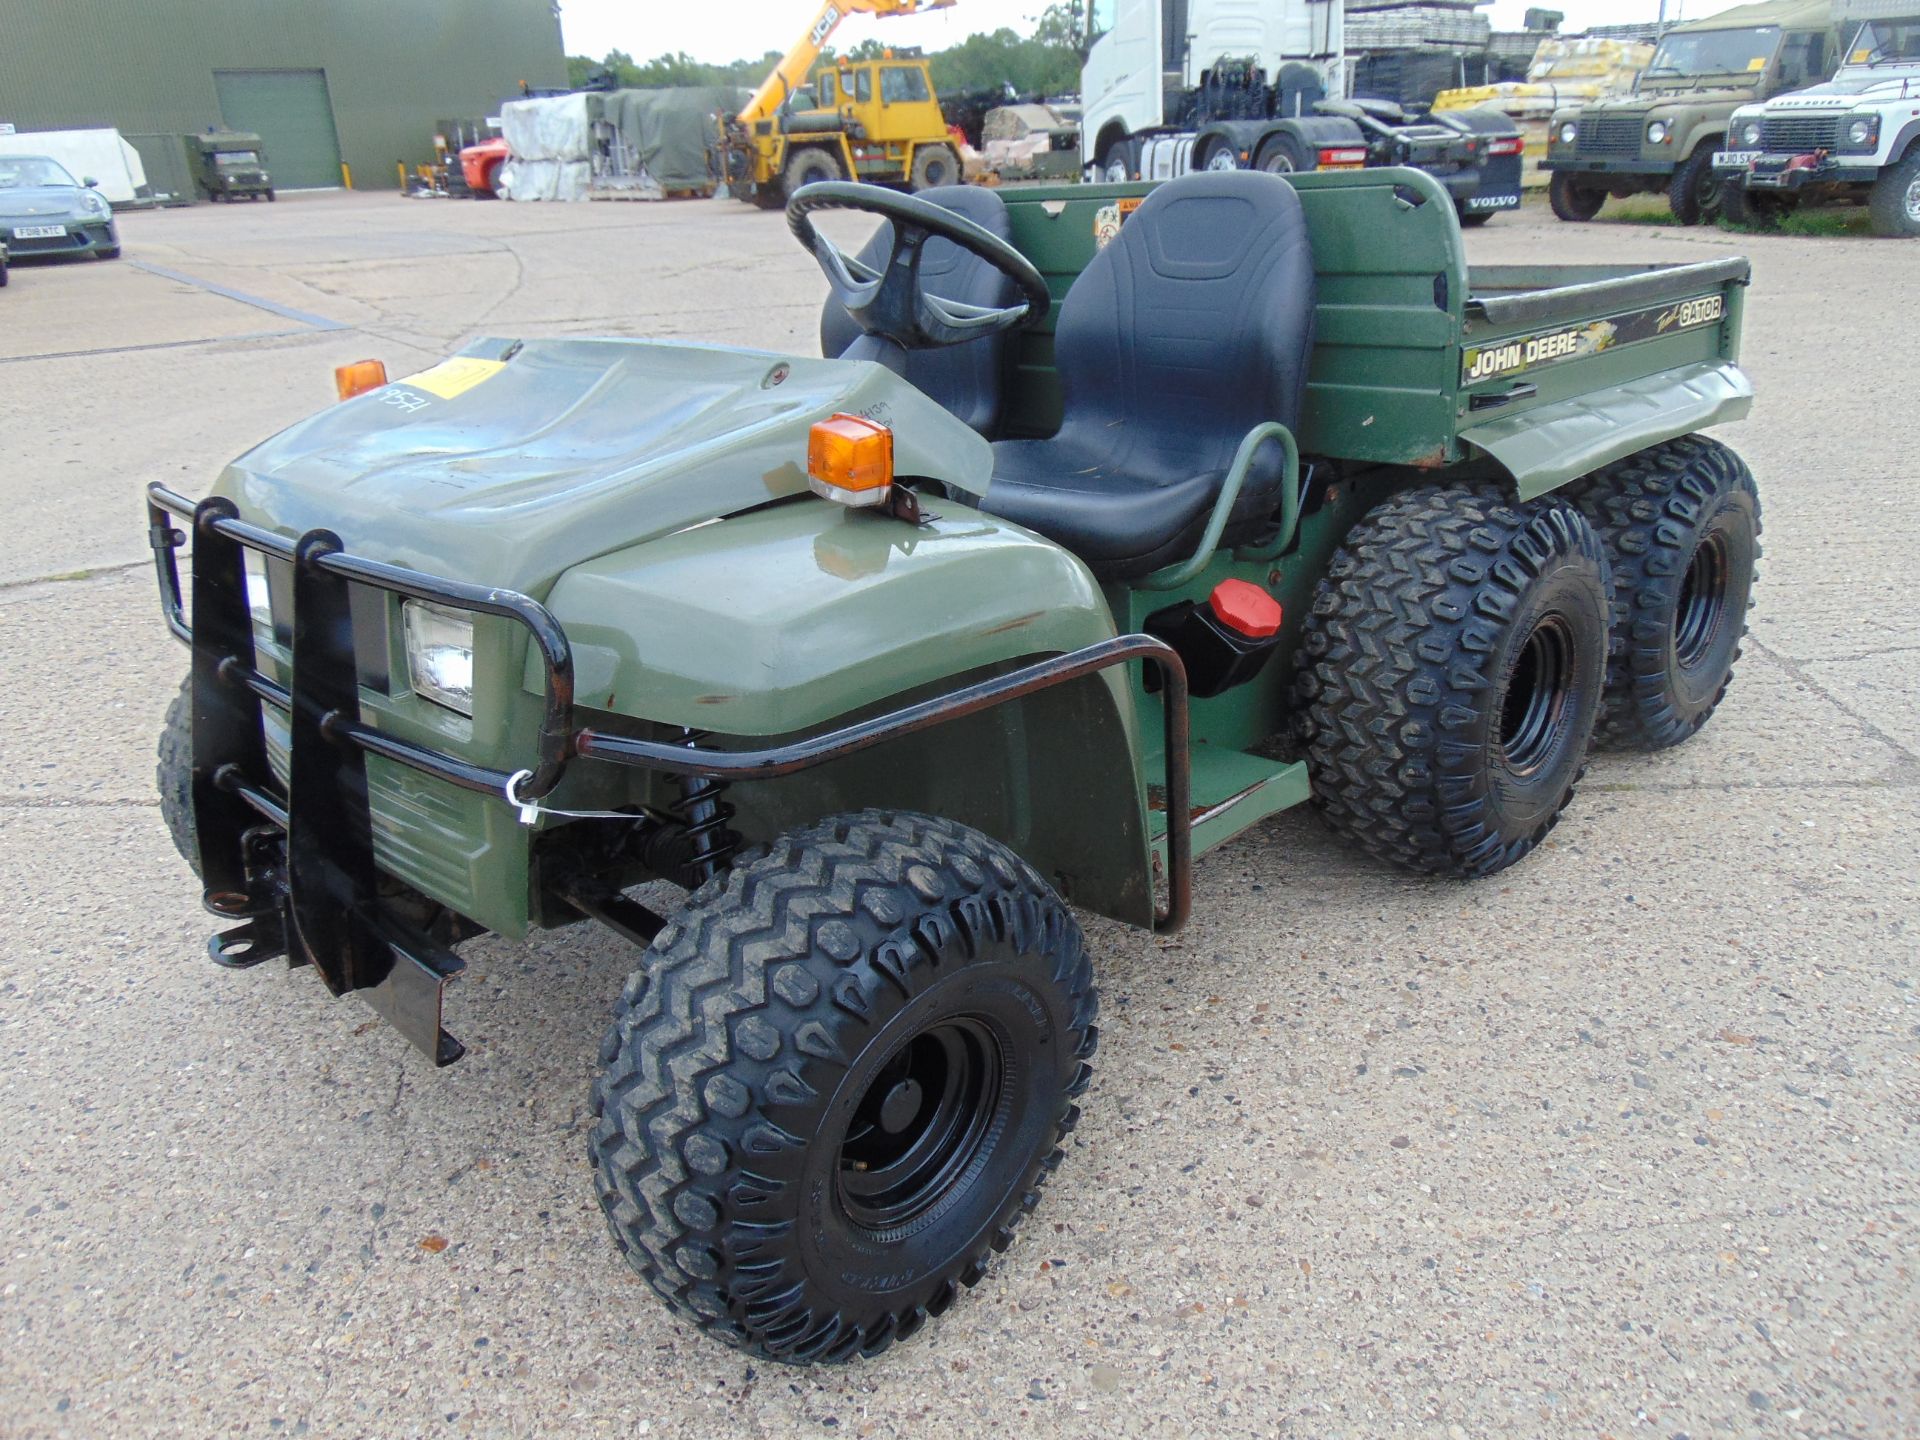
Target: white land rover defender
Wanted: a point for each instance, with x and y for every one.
(1855, 138)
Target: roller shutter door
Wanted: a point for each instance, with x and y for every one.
(291, 113)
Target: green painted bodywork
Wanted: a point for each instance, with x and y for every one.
(232, 179)
(825, 609)
(653, 496)
(1395, 304)
(796, 616)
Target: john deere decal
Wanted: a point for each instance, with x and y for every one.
(1529, 352)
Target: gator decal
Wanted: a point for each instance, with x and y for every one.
(1501, 358)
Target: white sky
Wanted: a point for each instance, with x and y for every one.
(723, 30)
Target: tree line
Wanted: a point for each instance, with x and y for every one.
(1046, 62)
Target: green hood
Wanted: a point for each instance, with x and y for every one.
(1648, 100)
(515, 463)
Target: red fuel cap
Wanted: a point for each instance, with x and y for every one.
(1245, 607)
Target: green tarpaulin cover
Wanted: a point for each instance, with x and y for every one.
(671, 131)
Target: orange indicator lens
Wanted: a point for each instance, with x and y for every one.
(359, 377)
(850, 459)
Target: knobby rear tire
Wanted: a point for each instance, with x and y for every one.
(1449, 676)
(1681, 523)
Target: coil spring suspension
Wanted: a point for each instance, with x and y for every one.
(711, 841)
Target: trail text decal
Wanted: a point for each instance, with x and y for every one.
(1527, 352)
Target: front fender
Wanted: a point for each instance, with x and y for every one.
(804, 614)
(792, 616)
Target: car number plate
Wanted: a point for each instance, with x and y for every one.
(1736, 159)
(39, 232)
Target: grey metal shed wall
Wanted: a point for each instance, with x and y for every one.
(392, 68)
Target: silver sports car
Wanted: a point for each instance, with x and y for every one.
(45, 211)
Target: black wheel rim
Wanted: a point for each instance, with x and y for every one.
(1706, 191)
(1703, 601)
(1533, 711)
(922, 1126)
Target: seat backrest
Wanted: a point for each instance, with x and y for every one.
(966, 378)
(1192, 326)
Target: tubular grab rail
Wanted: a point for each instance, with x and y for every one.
(559, 742)
(1174, 576)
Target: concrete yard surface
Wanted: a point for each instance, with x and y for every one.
(1624, 1141)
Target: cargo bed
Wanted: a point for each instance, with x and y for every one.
(1547, 371)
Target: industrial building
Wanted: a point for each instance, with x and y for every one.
(335, 88)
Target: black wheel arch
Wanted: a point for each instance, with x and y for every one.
(1240, 136)
(1905, 142)
(1478, 120)
(1310, 134)
(1114, 132)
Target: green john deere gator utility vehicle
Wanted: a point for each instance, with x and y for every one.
(846, 647)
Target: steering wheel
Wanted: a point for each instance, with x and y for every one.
(889, 302)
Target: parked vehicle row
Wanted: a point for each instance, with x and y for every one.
(1662, 137)
(1756, 111)
(1855, 139)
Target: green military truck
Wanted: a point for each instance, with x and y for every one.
(1661, 138)
(229, 165)
(1121, 518)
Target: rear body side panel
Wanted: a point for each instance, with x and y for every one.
(1398, 313)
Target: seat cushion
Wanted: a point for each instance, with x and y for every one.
(1193, 326)
(1120, 524)
(964, 379)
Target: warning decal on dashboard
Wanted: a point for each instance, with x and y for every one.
(454, 377)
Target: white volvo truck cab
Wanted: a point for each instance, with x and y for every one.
(1171, 86)
(1855, 138)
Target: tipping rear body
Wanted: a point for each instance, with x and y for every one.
(1421, 361)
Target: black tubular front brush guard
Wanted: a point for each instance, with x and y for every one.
(232, 771)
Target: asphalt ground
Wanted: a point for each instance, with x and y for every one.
(1620, 1142)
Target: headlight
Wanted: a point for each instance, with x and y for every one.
(1567, 132)
(440, 654)
(1863, 132)
(257, 598)
(1657, 133)
(1750, 134)
(97, 203)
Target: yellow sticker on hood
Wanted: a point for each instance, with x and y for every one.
(454, 377)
